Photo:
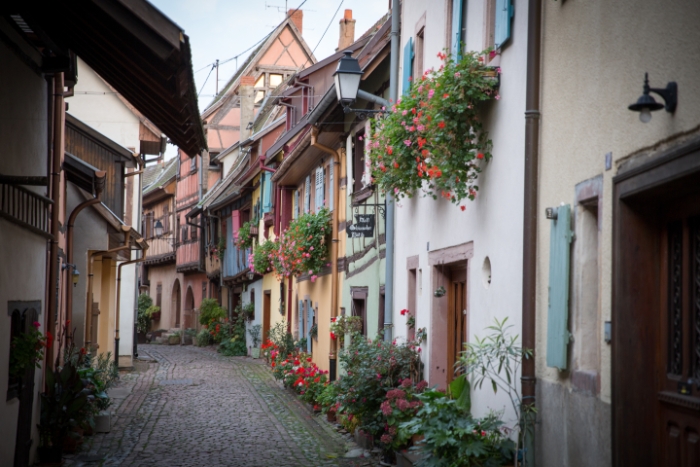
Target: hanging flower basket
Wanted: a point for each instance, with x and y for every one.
(433, 138)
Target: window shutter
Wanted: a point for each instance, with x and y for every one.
(307, 194)
(408, 55)
(457, 38)
(318, 200)
(266, 192)
(166, 219)
(235, 223)
(558, 312)
(331, 186)
(504, 13)
(302, 318)
(309, 321)
(297, 201)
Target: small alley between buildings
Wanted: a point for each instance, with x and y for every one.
(176, 395)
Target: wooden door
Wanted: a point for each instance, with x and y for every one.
(679, 370)
(457, 322)
(267, 303)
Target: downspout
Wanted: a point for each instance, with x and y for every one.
(88, 300)
(144, 248)
(532, 133)
(57, 157)
(335, 159)
(99, 186)
(389, 198)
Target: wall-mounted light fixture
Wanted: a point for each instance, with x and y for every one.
(347, 87)
(251, 275)
(158, 230)
(646, 104)
(76, 273)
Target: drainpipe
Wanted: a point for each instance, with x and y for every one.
(58, 118)
(99, 186)
(88, 301)
(335, 159)
(144, 249)
(389, 198)
(532, 133)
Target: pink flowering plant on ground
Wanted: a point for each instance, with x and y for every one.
(433, 138)
(400, 405)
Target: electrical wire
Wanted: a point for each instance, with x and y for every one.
(324, 32)
(205, 81)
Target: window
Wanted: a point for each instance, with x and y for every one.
(178, 231)
(418, 54)
(331, 186)
(193, 164)
(412, 279)
(498, 20)
(159, 294)
(320, 189)
(252, 300)
(358, 160)
(193, 232)
(166, 219)
(275, 80)
(457, 26)
(359, 305)
(307, 194)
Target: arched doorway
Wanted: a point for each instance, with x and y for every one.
(176, 302)
(189, 308)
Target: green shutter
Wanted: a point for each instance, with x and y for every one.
(408, 55)
(457, 38)
(558, 308)
(266, 192)
(504, 14)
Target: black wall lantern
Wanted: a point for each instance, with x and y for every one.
(647, 104)
(347, 87)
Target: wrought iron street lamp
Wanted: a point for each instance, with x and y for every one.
(158, 230)
(347, 87)
(646, 104)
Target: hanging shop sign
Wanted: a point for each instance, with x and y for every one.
(363, 226)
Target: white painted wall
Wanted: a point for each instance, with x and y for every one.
(98, 106)
(245, 298)
(23, 134)
(493, 222)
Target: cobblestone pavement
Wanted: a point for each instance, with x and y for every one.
(192, 407)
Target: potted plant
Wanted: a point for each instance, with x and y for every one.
(190, 336)
(248, 311)
(174, 338)
(255, 332)
(143, 319)
(153, 312)
(26, 351)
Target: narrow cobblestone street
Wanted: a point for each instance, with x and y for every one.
(188, 406)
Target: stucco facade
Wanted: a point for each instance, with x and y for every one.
(484, 242)
(588, 81)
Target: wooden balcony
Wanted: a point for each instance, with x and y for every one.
(25, 208)
(160, 251)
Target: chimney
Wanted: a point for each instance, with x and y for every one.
(247, 95)
(347, 31)
(297, 17)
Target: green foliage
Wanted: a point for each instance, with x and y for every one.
(262, 256)
(243, 238)
(343, 325)
(204, 338)
(255, 332)
(210, 311)
(400, 405)
(231, 336)
(221, 248)
(373, 368)
(281, 339)
(248, 311)
(99, 373)
(26, 351)
(143, 319)
(496, 360)
(327, 397)
(433, 138)
(453, 438)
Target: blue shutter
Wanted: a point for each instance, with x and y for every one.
(318, 200)
(266, 192)
(302, 318)
(296, 204)
(558, 308)
(331, 186)
(504, 13)
(408, 55)
(307, 194)
(457, 38)
(310, 320)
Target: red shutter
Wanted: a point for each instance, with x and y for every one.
(235, 223)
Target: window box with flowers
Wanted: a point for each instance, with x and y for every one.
(245, 236)
(433, 138)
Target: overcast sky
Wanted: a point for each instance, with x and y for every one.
(222, 29)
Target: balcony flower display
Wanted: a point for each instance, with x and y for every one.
(433, 139)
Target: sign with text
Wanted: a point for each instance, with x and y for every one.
(363, 226)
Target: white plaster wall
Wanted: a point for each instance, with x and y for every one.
(89, 234)
(595, 55)
(23, 134)
(245, 299)
(493, 222)
(98, 106)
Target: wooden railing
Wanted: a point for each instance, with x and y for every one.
(25, 208)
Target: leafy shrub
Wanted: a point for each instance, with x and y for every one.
(210, 311)
(203, 338)
(143, 320)
(283, 341)
(372, 369)
(433, 139)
